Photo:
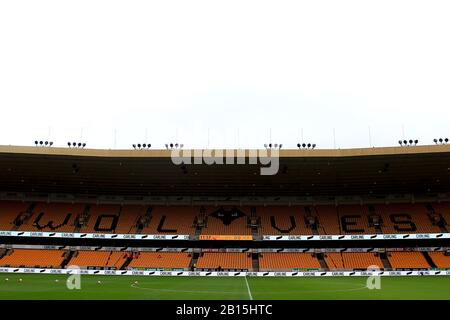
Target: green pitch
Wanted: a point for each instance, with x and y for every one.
(239, 288)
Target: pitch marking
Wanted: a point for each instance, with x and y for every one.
(248, 289)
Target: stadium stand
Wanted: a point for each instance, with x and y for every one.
(361, 260)
(442, 210)
(440, 259)
(407, 260)
(264, 261)
(282, 220)
(10, 211)
(352, 260)
(226, 221)
(224, 261)
(99, 259)
(405, 218)
(327, 219)
(287, 261)
(164, 260)
(129, 218)
(195, 220)
(354, 219)
(334, 260)
(172, 220)
(220, 213)
(101, 219)
(33, 258)
(49, 217)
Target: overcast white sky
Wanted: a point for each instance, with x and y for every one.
(174, 70)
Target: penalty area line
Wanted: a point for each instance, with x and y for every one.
(248, 289)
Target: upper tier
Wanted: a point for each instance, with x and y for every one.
(224, 220)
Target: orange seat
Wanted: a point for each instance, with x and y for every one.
(286, 261)
(33, 258)
(9, 211)
(161, 260)
(234, 224)
(172, 220)
(440, 259)
(98, 259)
(224, 260)
(407, 260)
(352, 260)
(277, 220)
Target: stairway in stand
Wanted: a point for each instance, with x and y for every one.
(255, 261)
(322, 261)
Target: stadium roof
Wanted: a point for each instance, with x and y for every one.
(415, 169)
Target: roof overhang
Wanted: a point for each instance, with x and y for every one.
(415, 169)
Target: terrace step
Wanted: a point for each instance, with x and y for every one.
(441, 223)
(67, 259)
(255, 261)
(373, 212)
(127, 262)
(85, 215)
(429, 260)
(145, 220)
(385, 260)
(322, 261)
(194, 259)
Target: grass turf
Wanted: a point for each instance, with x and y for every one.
(184, 288)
